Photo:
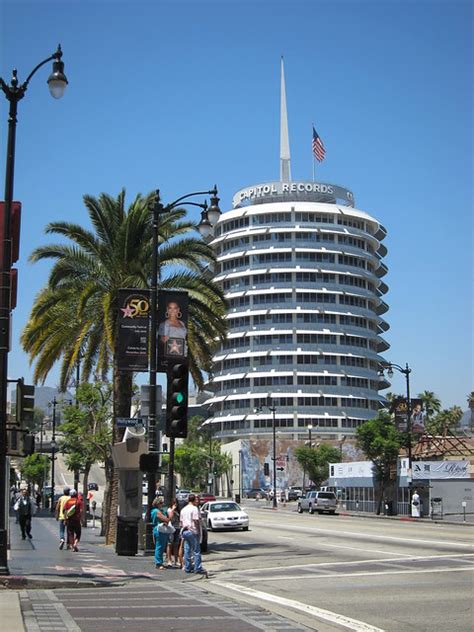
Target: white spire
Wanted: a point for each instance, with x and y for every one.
(285, 169)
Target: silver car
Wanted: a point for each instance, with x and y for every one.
(318, 501)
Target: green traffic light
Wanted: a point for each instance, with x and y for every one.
(179, 398)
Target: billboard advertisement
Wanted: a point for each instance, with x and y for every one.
(133, 326)
(172, 320)
(417, 416)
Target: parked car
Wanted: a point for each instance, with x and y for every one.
(293, 493)
(318, 501)
(256, 492)
(205, 498)
(93, 487)
(182, 494)
(224, 514)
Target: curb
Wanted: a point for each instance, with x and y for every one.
(21, 582)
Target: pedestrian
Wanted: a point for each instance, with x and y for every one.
(416, 505)
(174, 538)
(25, 508)
(190, 522)
(59, 513)
(72, 519)
(160, 520)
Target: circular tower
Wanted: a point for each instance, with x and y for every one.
(302, 272)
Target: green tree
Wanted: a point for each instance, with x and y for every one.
(431, 404)
(470, 403)
(87, 432)
(445, 421)
(315, 461)
(381, 443)
(74, 317)
(34, 469)
(192, 461)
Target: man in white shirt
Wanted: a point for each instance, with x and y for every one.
(190, 522)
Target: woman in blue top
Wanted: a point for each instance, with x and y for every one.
(159, 515)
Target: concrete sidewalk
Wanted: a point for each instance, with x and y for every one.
(43, 581)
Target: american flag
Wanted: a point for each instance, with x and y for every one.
(318, 148)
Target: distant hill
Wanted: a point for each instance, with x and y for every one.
(44, 395)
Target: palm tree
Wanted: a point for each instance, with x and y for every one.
(470, 403)
(74, 316)
(431, 403)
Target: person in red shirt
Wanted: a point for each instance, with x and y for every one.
(72, 517)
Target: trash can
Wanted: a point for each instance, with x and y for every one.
(237, 499)
(126, 542)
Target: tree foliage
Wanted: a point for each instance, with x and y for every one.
(381, 443)
(445, 421)
(200, 455)
(87, 430)
(315, 461)
(35, 469)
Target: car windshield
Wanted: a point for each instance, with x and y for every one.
(326, 495)
(224, 507)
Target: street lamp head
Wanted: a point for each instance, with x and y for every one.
(390, 372)
(57, 80)
(214, 212)
(205, 226)
(310, 426)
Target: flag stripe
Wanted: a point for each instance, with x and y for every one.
(318, 148)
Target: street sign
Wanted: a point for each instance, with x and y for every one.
(129, 422)
(280, 469)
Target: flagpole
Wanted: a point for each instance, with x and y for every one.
(312, 153)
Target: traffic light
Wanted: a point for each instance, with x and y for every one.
(25, 403)
(266, 469)
(15, 222)
(177, 401)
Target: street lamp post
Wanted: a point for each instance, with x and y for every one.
(343, 438)
(14, 92)
(389, 367)
(310, 427)
(272, 409)
(53, 452)
(209, 217)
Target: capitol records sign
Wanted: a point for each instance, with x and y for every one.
(133, 329)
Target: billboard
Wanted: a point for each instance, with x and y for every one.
(133, 327)
(417, 416)
(172, 332)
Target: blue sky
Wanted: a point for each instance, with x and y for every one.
(181, 95)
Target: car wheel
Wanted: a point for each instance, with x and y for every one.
(332, 512)
(245, 528)
(320, 512)
(300, 508)
(310, 509)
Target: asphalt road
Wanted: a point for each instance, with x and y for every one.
(315, 572)
(391, 574)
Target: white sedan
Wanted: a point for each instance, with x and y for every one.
(222, 514)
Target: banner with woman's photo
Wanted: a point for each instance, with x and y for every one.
(172, 321)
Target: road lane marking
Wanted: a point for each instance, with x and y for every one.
(271, 578)
(319, 613)
(362, 535)
(376, 560)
